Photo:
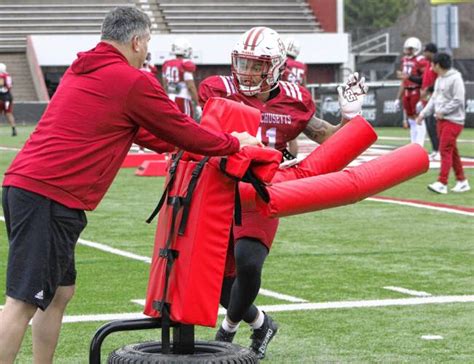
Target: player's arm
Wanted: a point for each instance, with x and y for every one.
(320, 130)
(192, 90)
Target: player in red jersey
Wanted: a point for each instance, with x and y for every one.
(412, 65)
(178, 78)
(295, 72)
(287, 109)
(148, 66)
(427, 87)
(6, 98)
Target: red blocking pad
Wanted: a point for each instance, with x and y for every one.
(133, 160)
(152, 169)
(196, 278)
(335, 153)
(228, 116)
(346, 187)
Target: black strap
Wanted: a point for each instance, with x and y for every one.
(287, 155)
(237, 207)
(186, 201)
(258, 185)
(167, 253)
(172, 174)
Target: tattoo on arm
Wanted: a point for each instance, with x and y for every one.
(319, 130)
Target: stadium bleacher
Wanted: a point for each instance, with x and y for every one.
(208, 16)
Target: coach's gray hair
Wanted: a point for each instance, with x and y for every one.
(123, 23)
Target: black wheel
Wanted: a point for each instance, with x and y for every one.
(206, 352)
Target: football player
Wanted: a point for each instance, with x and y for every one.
(412, 66)
(295, 72)
(287, 109)
(178, 78)
(6, 98)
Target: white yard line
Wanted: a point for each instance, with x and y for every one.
(432, 337)
(280, 296)
(300, 307)
(407, 138)
(408, 291)
(108, 249)
(421, 206)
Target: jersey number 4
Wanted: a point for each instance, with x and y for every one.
(172, 74)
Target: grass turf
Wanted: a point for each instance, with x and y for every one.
(342, 254)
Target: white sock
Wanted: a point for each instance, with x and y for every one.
(420, 133)
(229, 326)
(258, 321)
(413, 130)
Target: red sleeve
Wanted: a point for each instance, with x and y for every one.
(149, 107)
(148, 140)
(210, 87)
(189, 66)
(429, 78)
(307, 106)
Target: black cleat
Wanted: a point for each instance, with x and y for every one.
(261, 337)
(222, 335)
(14, 133)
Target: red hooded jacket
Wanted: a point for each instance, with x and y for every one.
(100, 108)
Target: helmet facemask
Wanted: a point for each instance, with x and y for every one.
(258, 60)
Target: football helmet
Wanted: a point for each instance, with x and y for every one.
(3, 68)
(181, 47)
(258, 60)
(293, 47)
(413, 43)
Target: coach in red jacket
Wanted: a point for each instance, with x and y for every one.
(103, 104)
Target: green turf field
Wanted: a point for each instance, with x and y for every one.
(345, 254)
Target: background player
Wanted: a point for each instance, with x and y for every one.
(178, 78)
(287, 109)
(6, 98)
(295, 72)
(409, 93)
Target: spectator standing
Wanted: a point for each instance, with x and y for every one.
(178, 79)
(102, 105)
(6, 98)
(448, 105)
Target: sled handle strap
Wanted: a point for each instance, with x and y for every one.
(170, 255)
(172, 174)
(189, 195)
(258, 185)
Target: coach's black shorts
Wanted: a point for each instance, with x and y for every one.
(42, 235)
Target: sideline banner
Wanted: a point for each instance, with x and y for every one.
(379, 107)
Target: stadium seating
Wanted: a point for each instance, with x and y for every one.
(21, 18)
(214, 16)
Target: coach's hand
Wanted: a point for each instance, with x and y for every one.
(246, 139)
(351, 96)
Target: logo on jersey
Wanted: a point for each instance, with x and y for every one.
(269, 118)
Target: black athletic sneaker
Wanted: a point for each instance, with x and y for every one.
(14, 133)
(222, 335)
(261, 337)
